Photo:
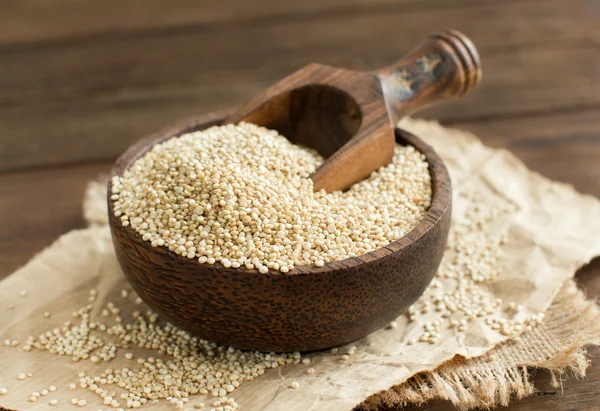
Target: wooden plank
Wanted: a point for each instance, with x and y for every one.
(39, 21)
(87, 100)
(544, 79)
(33, 21)
(563, 147)
(39, 205)
(101, 126)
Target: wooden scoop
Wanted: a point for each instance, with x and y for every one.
(348, 116)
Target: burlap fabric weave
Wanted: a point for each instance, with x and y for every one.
(502, 374)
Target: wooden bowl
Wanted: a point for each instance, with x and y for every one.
(309, 308)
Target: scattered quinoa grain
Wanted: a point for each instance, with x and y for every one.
(310, 371)
(21, 376)
(223, 369)
(294, 385)
(471, 258)
(3, 391)
(53, 402)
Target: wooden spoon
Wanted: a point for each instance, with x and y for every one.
(349, 116)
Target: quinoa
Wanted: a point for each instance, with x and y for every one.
(240, 195)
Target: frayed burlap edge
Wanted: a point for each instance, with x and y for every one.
(502, 374)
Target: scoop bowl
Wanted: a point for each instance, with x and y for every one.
(308, 308)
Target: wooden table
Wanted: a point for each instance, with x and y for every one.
(81, 80)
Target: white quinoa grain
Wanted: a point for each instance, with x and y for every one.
(220, 370)
(53, 402)
(294, 385)
(208, 193)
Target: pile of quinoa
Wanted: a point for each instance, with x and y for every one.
(240, 195)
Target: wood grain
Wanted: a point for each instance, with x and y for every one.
(562, 146)
(88, 98)
(37, 206)
(34, 21)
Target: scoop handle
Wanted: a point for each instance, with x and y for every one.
(446, 65)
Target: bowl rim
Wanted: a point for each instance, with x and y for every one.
(440, 202)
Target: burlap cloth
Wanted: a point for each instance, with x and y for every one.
(527, 236)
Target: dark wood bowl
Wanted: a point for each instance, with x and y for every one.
(309, 308)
